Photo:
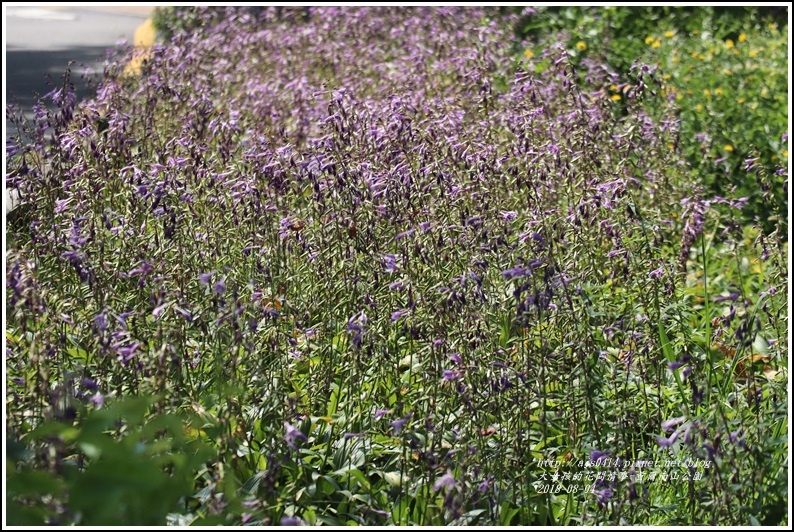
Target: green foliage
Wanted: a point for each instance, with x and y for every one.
(116, 466)
(725, 67)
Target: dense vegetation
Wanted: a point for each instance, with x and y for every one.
(400, 266)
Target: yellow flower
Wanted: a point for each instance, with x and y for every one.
(695, 32)
(784, 153)
(656, 44)
(529, 54)
(727, 72)
(679, 96)
(729, 44)
(728, 147)
(741, 101)
(718, 92)
(666, 77)
(773, 26)
(699, 107)
(742, 37)
(581, 46)
(676, 60)
(752, 53)
(764, 93)
(695, 55)
(706, 92)
(615, 97)
(669, 33)
(649, 39)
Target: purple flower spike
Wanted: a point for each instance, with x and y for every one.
(398, 424)
(219, 287)
(97, 400)
(446, 481)
(397, 314)
(293, 435)
(599, 456)
(205, 278)
(603, 496)
(101, 321)
(667, 442)
(450, 375)
(516, 272)
(380, 412)
(390, 263)
(670, 424)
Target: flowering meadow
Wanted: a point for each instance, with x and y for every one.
(388, 266)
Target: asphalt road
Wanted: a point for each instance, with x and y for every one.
(41, 41)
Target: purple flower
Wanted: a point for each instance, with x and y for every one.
(672, 366)
(396, 285)
(122, 319)
(219, 287)
(61, 205)
(187, 315)
(291, 521)
(97, 400)
(293, 435)
(446, 481)
(599, 456)
(127, 351)
(670, 424)
(205, 278)
(733, 296)
(380, 412)
(101, 321)
(667, 442)
(397, 314)
(657, 273)
(603, 496)
(516, 272)
(159, 310)
(398, 424)
(143, 269)
(456, 359)
(390, 263)
(451, 375)
(508, 216)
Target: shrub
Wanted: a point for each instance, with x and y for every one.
(726, 68)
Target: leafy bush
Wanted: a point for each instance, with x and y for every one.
(727, 68)
(401, 277)
(112, 468)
